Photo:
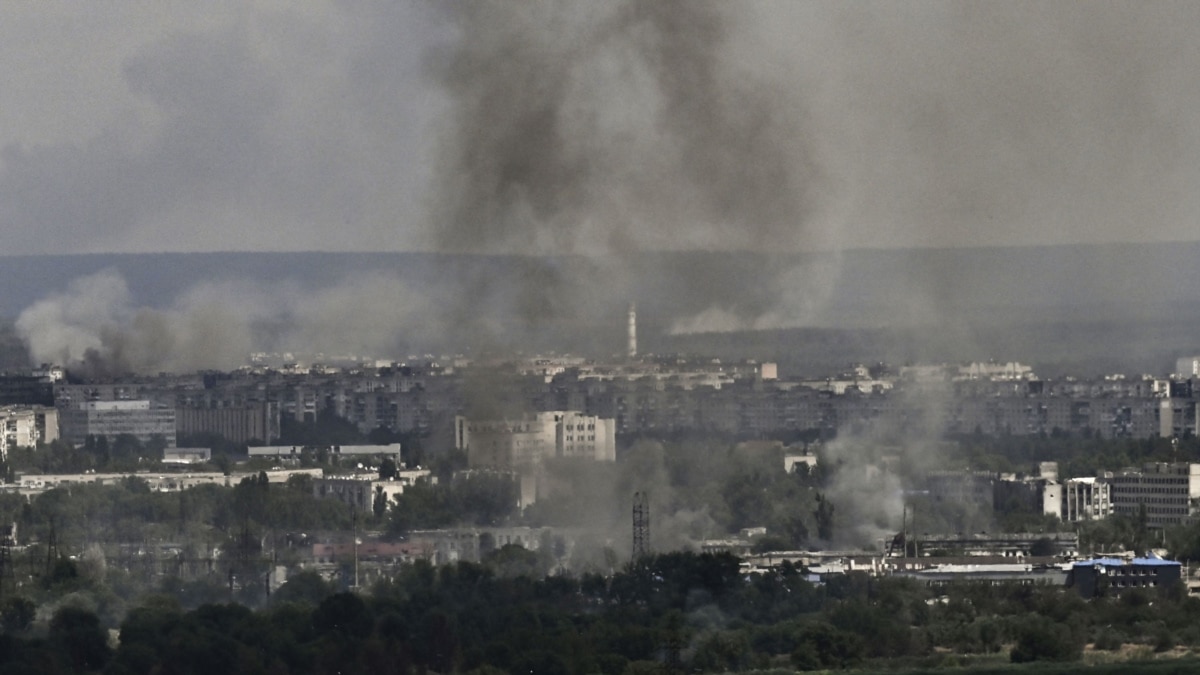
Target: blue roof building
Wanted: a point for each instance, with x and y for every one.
(1107, 577)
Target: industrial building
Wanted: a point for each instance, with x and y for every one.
(255, 421)
(1169, 492)
(1107, 577)
(141, 419)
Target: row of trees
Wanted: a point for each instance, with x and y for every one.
(673, 613)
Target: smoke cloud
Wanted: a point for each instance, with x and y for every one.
(601, 129)
(593, 130)
(95, 324)
(614, 126)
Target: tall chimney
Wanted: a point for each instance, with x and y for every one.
(632, 330)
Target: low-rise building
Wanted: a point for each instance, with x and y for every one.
(292, 453)
(1106, 577)
(35, 483)
(363, 491)
(186, 455)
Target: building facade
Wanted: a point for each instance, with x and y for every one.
(1107, 577)
(1086, 499)
(525, 442)
(140, 419)
(26, 427)
(257, 421)
(1169, 492)
(363, 492)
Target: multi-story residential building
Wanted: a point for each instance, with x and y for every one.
(667, 396)
(1177, 416)
(26, 427)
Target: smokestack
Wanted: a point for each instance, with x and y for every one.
(632, 330)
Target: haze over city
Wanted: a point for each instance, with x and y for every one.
(580, 136)
(598, 336)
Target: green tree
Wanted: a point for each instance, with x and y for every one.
(304, 587)
(343, 614)
(17, 614)
(79, 635)
(1040, 639)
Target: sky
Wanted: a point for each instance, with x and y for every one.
(606, 127)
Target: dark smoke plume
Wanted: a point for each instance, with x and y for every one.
(602, 129)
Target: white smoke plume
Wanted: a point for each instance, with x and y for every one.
(799, 293)
(874, 466)
(96, 325)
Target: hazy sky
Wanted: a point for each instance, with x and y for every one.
(184, 126)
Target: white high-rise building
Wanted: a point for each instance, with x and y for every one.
(524, 442)
(26, 426)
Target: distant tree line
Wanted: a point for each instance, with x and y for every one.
(676, 612)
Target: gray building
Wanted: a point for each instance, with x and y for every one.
(1170, 492)
(139, 419)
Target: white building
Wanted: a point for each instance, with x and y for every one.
(992, 370)
(186, 455)
(361, 490)
(1086, 499)
(285, 453)
(805, 462)
(32, 484)
(26, 426)
(524, 442)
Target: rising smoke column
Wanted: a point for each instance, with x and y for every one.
(604, 129)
